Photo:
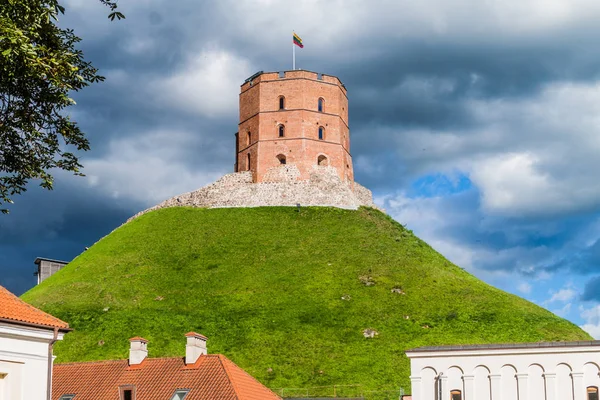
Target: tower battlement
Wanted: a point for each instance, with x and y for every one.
(293, 117)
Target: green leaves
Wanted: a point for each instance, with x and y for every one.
(39, 68)
(114, 15)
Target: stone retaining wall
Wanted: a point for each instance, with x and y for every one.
(323, 188)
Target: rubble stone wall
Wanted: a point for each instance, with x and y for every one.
(323, 188)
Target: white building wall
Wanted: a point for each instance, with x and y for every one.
(540, 373)
(24, 362)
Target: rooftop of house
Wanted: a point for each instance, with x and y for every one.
(16, 311)
(495, 346)
(40, 259)
(212, 376)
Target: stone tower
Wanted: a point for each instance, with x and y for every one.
(293, 122)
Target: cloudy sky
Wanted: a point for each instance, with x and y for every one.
(476, 123)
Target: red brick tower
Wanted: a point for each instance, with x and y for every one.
(297, 118)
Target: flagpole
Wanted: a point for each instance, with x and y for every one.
(293, 55)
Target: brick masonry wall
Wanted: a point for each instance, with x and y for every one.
(260, 118)
(323, 188)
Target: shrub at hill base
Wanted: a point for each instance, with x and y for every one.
(314, 297)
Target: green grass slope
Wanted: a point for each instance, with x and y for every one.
(284, 294)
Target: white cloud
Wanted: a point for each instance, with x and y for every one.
(510, 179)
(562, 295)
(147, 168)
(591, 316)
(524, 288)
(528, 157)
(208, 84)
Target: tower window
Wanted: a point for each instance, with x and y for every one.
(321, 105)
(281, 131)
(281, 103)
(455, 395)
(281, 159)
(249, 138)
(321, 133)
(248, 161)
(592, 393)
(322, 160)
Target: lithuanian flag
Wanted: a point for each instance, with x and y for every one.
(298, 41)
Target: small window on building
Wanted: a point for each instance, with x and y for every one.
(592, 393)
(249, 138)
(319, 76)
(281, 74)
(322, 160)
(248, 161)
(321, 133)
(180, 394)
(127, 392)
(281, 103)
(67, 397)
(281, 131)
(281, 159)
(321, 104)
(455, 395)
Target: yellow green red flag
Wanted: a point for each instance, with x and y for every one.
(298, 41)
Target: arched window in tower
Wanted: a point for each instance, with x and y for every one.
(592, 393)
(281, 103)
(456, 395)
(321, 133)
(281, 159)
(322, 160)
(281, 130)
(249, 138)
(321, 105)
(248, 161)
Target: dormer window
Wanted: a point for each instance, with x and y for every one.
(127, 392)
(281, 103)
(281, 131)
(180, 394)
(321, 104)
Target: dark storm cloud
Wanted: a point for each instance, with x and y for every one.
(581, 261)
(57, 224)
(592, 290)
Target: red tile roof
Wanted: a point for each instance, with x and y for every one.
(138, 339)
(211, 377)
(14, 309)
(194, 334)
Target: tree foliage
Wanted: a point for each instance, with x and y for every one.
(39, 67)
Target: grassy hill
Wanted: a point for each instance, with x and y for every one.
(284, 294)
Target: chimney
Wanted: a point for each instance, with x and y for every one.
(195, 347)
(138, 350)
